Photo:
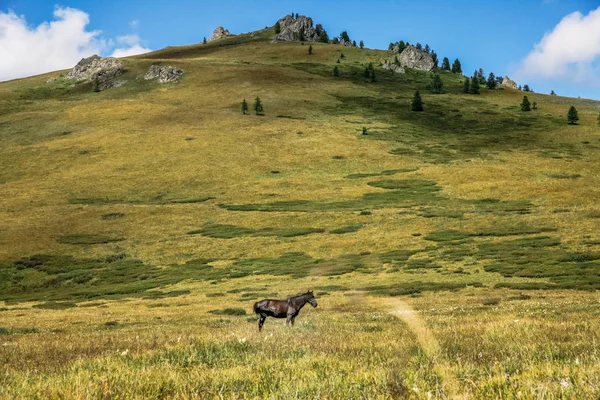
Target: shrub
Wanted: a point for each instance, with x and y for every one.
(258, 107)
(336, 71)
(310, 50)
(364, 130)
(277, 27)
(244, 107)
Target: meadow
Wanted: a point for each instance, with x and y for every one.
(454, 253)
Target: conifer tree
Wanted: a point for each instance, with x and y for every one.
(437, 86)
(534, 106)
(417, 103)
(525, 105)
(435, 60)
(354, 43)
(552, 93)
(310, 50)
(336, 71)
(258, 107)
(572, 116)
(335, 40)
(277, 27)
(456, 67)
(466, 85)
(475, 85)
(362, 44)
(418, 46)
(598, 119)
(446, 64)
(204, 40)
(526, 88)
(244, 107)
(491, 81)
(342, 56)
(481, 76)
(427, 49)
(364, 130)
(344, 37)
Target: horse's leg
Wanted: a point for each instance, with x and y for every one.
(261, 322)
(293, 319)
(290, 319)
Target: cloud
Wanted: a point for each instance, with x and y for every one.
(50, 46)
(571, 52)
(58, 44)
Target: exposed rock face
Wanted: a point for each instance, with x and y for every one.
(219, 33)
(395, 68)
(509, 83)
(164, 74)
(411, 57)
(300, 28)
(103, 71)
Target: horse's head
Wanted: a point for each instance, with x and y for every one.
(311, 298)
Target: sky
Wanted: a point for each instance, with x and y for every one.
(547, 44)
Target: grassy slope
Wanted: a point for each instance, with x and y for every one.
(470, 192)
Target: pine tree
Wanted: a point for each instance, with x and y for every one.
(338, 61)
(526, 88)
(296, 16)
(481, 76)
(362, 44)
(491, 81)
(466, 85)
(277, 27)
(396, 61)
(354, 43)
(342, 56)
(204, 40)
(572, 116)
(475, 85)
(534, 106)
(310, 50)
(258, 107)
(456, 67)
(244, 107)
(335, 40)
(446, 64)
(435, 60)
(418, 46)
(417, 103)
(336, 71)
(552, 93)
(344, 37)
(437, 86)
(427, 49)
(525, 105)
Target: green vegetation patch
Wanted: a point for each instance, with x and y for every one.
(88, 238)
(157, 200)
(55, 305)
(346, 229)
(382, 173)
(229, 311)
(232, 231)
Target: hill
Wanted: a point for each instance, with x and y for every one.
(137, 221)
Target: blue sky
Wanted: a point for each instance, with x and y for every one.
(494, 35)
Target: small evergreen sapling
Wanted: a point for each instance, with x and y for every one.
(336, 71)
(475, 85)
(244, 107)
(466, 85)
(277, 27)
(417, 103)
(204, 40)
(572, 116)
(310, 50)
(258, 107)
(364, 130)
(525, 104)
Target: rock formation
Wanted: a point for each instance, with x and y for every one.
(509, 83)
(300, 28)
(163, 74)
(219, 33)
(395, 68)
(411, 57)
(102, 71)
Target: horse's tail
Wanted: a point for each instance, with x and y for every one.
(255, 307)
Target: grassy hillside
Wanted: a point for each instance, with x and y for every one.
(454, 252)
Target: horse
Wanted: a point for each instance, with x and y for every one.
(288, 308)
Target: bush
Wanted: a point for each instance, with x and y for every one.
(336, 71)
(258, 107)
(277, 27)
(244, 107)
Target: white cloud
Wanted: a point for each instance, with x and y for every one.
(571, 52)
(130, 51)
(54, 45)
(50, 46)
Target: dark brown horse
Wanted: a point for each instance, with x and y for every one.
(288, 308)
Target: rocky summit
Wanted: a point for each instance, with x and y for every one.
(395, 68)
(411, 57)
(102, 71)
(509, 83)
(219, 33)
(163, 74)
(300, 28)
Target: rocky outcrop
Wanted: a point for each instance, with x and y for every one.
(509, 83)
(300, 28)
(395, 68)
(163, 74)
(411, 57)
(219, 33)
(102, 71)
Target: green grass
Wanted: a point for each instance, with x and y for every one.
(88, 238)
(231, 231)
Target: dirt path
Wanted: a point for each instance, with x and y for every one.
(431, 347)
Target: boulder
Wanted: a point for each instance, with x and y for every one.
(219, 33)
(102, 71)
(163, 74)
(300, 28)
(395, 68)
(411, 57)
(509, 83)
